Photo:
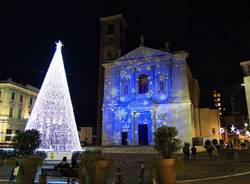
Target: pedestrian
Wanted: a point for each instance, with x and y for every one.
(74, 169)
(209, 150)
(64, 168)
(214, 152)
(193, 151)
(142, 174)
(186, 151)
(14, 173)
(119, 176)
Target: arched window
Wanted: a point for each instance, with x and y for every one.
(143, 83)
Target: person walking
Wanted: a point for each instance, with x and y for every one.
(186, 151)
(193, 151)
(14, 173)
(214, 152)
(119, 176)
(142, 174)
(209, 150)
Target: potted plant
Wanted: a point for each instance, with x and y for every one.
(166, 144)
(25, 144)
(93, 167)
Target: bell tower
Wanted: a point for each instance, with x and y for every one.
(112, 46)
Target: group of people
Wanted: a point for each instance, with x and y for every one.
(212, 151)
(186, 151)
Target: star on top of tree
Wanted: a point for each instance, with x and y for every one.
(59, 45)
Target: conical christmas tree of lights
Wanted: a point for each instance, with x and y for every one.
(52, 114)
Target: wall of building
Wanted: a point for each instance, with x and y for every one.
(209, 124)
(247, 92)
(86, 134)
(19, 100)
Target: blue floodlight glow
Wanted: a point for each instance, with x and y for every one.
(52, 114)
(143, 90)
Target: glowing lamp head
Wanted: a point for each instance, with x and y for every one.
(222, 130)
(248, 133)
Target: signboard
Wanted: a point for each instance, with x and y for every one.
(51, 155)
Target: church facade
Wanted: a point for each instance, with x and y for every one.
(145, 89)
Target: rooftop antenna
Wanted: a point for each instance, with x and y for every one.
(142, 40)
(167, 46)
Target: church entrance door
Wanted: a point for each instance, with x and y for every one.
(124, 138)
(143, 134)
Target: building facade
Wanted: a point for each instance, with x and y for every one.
(245, 65)
(86, 135)
(145, 89)
(16, 103)
(210, 123)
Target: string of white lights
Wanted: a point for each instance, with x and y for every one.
(52, 114)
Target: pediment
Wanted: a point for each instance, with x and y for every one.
(142, 53)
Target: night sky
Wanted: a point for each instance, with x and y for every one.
(215, 33)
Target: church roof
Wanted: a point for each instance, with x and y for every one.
(143, 53)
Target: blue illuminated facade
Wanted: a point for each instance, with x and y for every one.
(143, 90)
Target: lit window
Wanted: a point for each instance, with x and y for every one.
(219, 108)
(215, 95)
(218, 94)
(13, 96)
(218, 99)
(143, 83)
(219, 104)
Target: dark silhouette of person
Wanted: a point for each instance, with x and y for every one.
(193, 151)
(142, 174)
(14, 173)
(74, 169)
(64, 167)
(186, 151)
(119, 176)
